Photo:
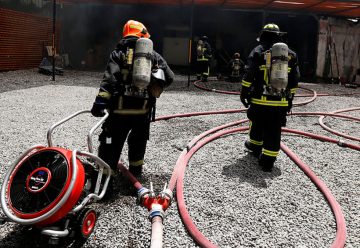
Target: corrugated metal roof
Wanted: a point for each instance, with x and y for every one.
(350, 8)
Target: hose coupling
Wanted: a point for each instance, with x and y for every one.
(166, 195)
(152, 193)
(143, 193)
(163, 199)
(341, 143)
(156, 210)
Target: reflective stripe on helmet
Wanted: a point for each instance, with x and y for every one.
(271, 27)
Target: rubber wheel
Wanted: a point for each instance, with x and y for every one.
(86, 222)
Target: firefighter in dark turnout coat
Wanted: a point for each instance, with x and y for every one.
(267, 107)
(236, 67)
(203, 56)
(130, 112)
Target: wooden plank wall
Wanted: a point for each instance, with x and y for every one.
(23, 38)
(341, 40)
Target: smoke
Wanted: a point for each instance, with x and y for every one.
(91, 31)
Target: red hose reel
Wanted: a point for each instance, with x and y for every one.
(49, 187)
(39, 182)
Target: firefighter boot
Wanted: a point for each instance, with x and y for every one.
(256, 150)
(266, 163)
(136, 170)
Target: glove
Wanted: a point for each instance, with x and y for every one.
(98, 107)
(245, 96)
(155, 89)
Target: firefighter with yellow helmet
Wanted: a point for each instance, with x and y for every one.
(134, 77)
(268, 87)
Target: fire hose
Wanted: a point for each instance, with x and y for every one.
(163, 202)
(204, 242)
(199, 141)
(191, 149)
(197, 85)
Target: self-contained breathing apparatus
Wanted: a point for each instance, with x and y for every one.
(200, 48)
(277, 59)
(139, 64)
(137, 74)
(236, 66)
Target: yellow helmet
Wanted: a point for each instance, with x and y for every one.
(271, 27)
(270, 33)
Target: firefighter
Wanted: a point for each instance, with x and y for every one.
(203, 56)
(268, 87)
(236, 66)
(134, 77)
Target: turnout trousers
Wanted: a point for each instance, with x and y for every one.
(265, 128)
(115, 130)
(202, 69)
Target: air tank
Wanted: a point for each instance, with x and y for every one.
(279, 66)
(142, 63)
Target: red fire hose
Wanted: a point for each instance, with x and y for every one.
(203, 241)
(199, 141)
(197, 85)
(321, 118)
(340, 238)
(313, 96)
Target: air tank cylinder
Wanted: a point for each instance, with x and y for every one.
(142, 63)
(279, 66)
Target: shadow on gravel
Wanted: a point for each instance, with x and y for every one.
(123, 187)
(248, 170)
(24, 236)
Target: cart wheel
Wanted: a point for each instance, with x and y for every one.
(86, 222)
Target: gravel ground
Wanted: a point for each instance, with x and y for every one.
(230, 199)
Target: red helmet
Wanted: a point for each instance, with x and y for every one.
(135, 28)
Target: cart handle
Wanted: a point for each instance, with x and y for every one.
(89, 138)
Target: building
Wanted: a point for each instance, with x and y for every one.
(324, 33)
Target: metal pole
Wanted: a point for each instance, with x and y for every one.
(190, 40)
(53, 40)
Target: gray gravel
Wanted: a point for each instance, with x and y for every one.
(230, 199)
